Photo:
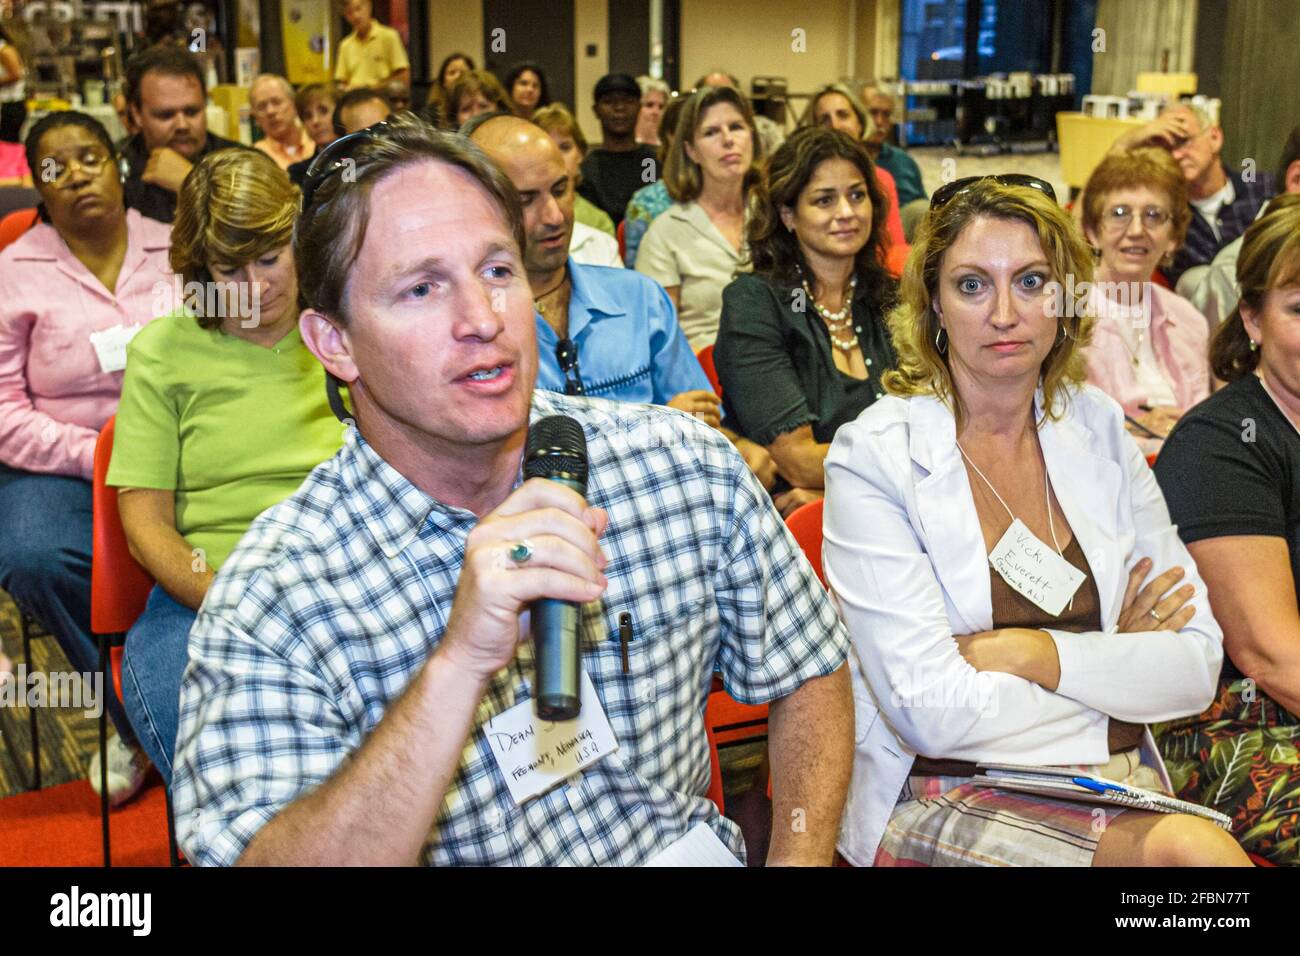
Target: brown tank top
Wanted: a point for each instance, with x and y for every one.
(1013, 609)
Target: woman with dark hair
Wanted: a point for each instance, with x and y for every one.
(472, 95)
(802, 345)
(73, 290)
(454, 66)
(223, 414)
(526, 85)
(1230, 472)
(696, 247)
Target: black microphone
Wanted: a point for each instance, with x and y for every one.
(556, 450)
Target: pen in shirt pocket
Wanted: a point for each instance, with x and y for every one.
(624, 635)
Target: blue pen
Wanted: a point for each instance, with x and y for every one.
(1097, 786)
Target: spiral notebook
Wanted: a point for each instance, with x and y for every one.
(1070, 784)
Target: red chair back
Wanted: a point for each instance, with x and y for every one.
(705, 357)
(727, 721)
(15, 224)
(622, 243)
(119, 587)
(806, 526)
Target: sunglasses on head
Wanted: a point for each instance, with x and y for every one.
(566, 353)
(949, 191)
(337, 156)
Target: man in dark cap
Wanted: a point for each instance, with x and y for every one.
(619, 166)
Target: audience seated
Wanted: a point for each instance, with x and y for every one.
(1231, 474)
(315, 106)
(375, 682)
(453, 67)
(833, 106)
(1223, 201)
(655, 94)
(284, 138)
(372, 54)
(1149, 345)
(802, 345)
(648, 202)
(619, 166)
(475, 93)
(526, 86)
(1213, 288)
(73, 289)
(223, 414)
(167, 95)
(567, 134)
(989, 429)
(696, 247)
(912, 200)
(357, 109)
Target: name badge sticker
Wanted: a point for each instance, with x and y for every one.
(110, 346)
(534, 755)
(1034, 569)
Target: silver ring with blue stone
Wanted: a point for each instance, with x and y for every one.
(521, 552)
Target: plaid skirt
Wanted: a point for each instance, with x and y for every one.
(948, 821)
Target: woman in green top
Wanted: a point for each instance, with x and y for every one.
(223, 414)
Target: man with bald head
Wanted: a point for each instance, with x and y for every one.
(611, 332)
(283, 137)
(1224, 201)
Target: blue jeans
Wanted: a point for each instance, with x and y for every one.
(45, 534)
(157, 648)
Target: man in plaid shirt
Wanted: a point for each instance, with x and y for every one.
(1224, 201)
(351, 650)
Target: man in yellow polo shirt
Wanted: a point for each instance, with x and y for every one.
(372, 54)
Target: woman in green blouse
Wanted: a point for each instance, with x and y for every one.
(803, 344)
(223, 415)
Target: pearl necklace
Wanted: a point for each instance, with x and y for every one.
(839, 324)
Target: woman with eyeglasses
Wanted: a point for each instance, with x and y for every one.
(1150, 346)
(1006, 568)
(223, 415)
(73, 290)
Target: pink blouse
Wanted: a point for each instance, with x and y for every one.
(1179, 338)
(54, 397)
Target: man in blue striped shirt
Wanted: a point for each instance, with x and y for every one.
(364, 634)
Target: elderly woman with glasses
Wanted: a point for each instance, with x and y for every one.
(73, 290)
(1149, 347)
(991, 533)
(223, 415)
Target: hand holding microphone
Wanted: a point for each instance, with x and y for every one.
(564, 566)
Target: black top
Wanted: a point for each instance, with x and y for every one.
(610, 178)
(154, 201)
(1231, 466)
(776, 366)
(298, 171)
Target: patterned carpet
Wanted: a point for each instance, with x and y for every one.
(68, 738)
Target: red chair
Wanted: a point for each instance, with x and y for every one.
(15, 224)
(622, 243)
(727, 721)
(119, 589)
(806, 526)
(705, 357)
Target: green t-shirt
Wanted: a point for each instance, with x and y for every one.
(232, 427)
(592, 215)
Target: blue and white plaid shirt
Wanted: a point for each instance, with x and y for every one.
(335, 598)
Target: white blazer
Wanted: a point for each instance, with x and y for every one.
(906, 563)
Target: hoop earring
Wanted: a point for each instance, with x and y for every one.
(941, 347)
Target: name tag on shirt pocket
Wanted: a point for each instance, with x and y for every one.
(110, 346)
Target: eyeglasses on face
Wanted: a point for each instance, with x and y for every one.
(91, 161)
(566, 353)
(1120, 217)
(950, 191)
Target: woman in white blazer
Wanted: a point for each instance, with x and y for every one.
(990, 480)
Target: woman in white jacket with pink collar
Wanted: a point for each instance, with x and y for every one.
(1006, 566)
